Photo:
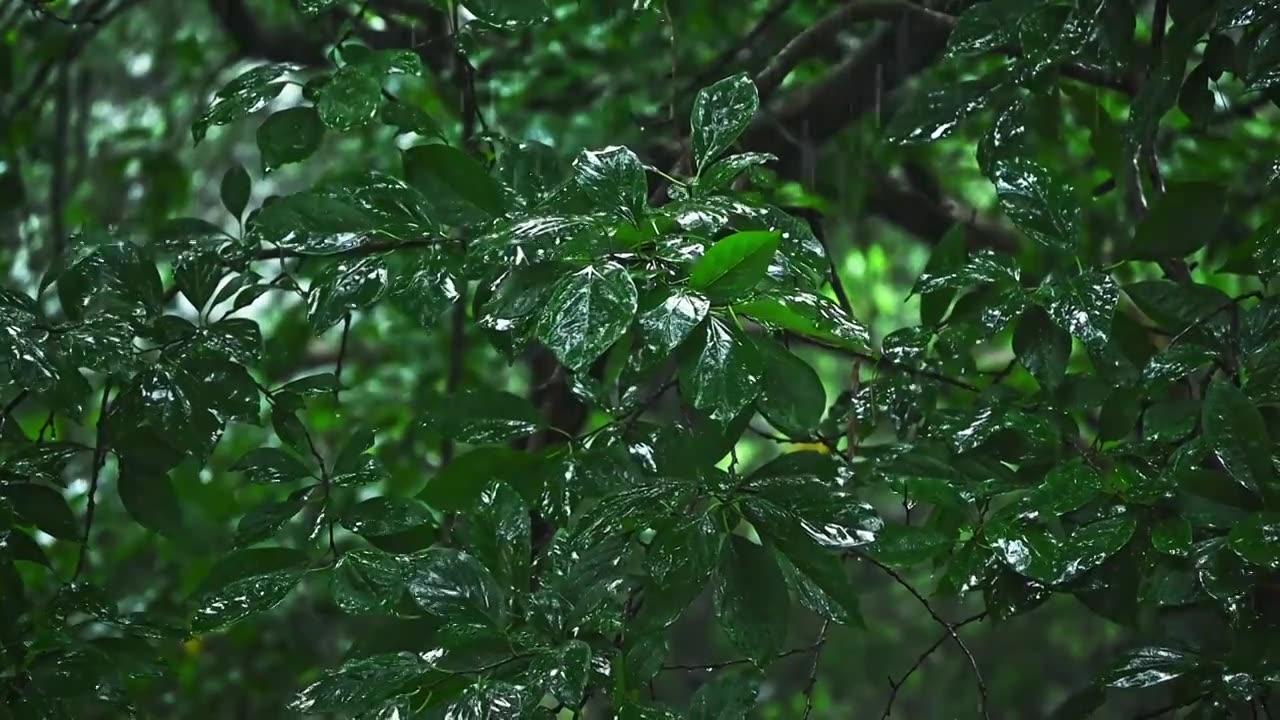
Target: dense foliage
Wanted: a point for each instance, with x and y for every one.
(456, 404)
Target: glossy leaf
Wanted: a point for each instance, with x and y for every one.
(726, 696)
(1257, 539)
(1147, 667)
(721, 112)
(586, 313)
(499, 533)
(793, 398)
(150, 500)
(751, 600)
(724, 374)
(1039, 203)
(43, 507)
(362, 684)
(350, 99)
(613, 178)
(455, 587)
(1235, 433)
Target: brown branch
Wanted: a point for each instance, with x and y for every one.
(949, 627)
(822, 31)
(895, 686)
(716, 68)
(813, 670)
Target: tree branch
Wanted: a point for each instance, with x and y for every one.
(950, 630)
(895, 686)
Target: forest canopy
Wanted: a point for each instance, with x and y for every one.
(647, 359)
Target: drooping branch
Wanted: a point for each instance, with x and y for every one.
(896, 685)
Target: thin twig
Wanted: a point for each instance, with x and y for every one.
(99, 459)
(895, 686)
(745, 661)
(950, 629)
(885, 362)
(813, 670)
(15, 402)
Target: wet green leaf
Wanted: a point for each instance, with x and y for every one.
(363, 684)
(1039, 203)
(1234, 431)
(586, 313)
(289, 136)
(343, 286)
(455, 587)
(1180, 222)
(726, 696)
(368, 581)
(262, 523)
(613, 178)
(665, 319)
(149, 499)
(1172, 536)
(251, 91)
(1148, 666)
(386, 515)
(725, 372)
(721, 174)
(563, 671)
(458, 187)
(811, 315)
(752, 601)
(721, 112)
(1083, 304)
(350, 99)
(499, 534)
(271, 465)
(1257, 539)
(1042, 347)
(245, 583)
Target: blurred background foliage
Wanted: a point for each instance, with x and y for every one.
(96, 101)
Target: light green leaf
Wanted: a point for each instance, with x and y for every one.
(735, 264)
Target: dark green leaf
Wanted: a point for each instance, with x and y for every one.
(562, 673)
(937, 110)
(1257, 539)
(343, 286)
(726, 696)
(723, 172)
(793, 399)
(811, 315)
(1083, 304)
(289, 136)
(482, 415)
(613, 178)
(247, 94)
(262, 523)
(362, 685)
(499, 534)
(1234, 431)
(271, 465)
(149, 499)
(456, 588)
(1146, 667)
(721, 112)
(454, 183)
(665, 319)
(1042, 346)
(1182, 221)
(1172, 536)
(752, 600)
(723, 374)
(368, 581)
(234, 190)
(43, 507)
(586, 313)
(245, 583)
(386, 515)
